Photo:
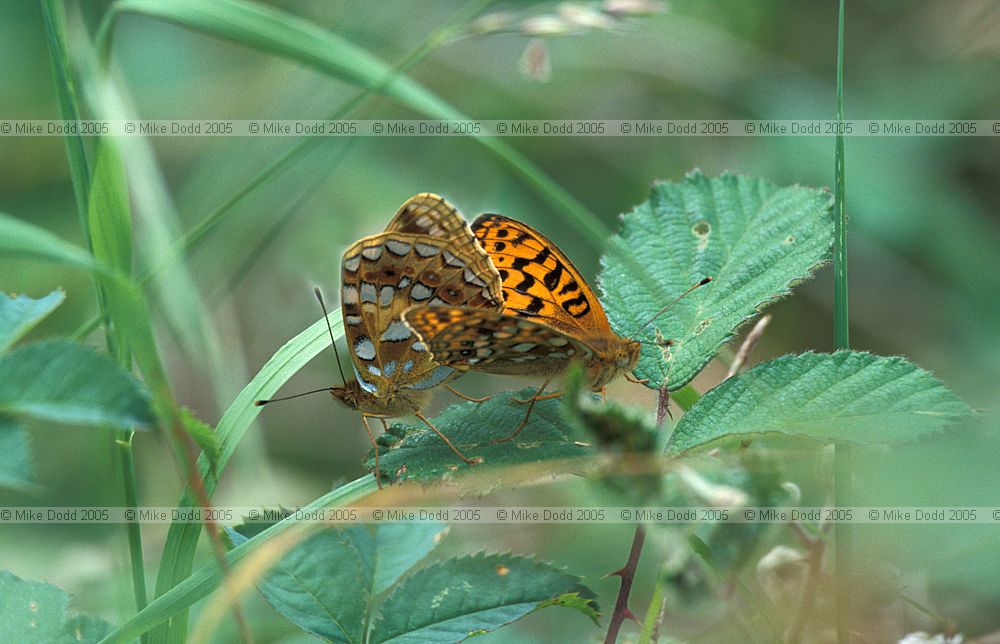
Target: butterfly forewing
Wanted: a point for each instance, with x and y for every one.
(539, 281)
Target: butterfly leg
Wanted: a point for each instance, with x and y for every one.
(633, 379)
(464, 397)
(470, 461)
(531, 405)
(371, 437)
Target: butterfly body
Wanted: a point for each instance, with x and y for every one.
(550, 315)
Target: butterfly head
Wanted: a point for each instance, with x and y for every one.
(349, 394)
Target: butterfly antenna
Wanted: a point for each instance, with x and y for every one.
(676, 300)
(326, 316)
(261, 403)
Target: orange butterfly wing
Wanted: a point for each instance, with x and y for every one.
(539, 281)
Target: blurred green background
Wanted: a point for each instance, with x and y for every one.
(924, 243)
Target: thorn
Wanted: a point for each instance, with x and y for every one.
(619, 573)
(630, 615)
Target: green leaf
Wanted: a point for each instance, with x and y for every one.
(414, 452)
(15, 466)
(202, 434)
(32, 611)
(20, 314)
(321, 585)
(610, 423)
(22, 238)
(754, 238)
(400, 546)
(844, 396)
(454, 599)
(67, 382)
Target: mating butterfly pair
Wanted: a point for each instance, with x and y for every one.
(429, 298)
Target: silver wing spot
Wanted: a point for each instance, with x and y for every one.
(397, 331)
(351, 263)
(372, 252)
(398, 248)
(426, 250)
(349, 294)
(364, 348)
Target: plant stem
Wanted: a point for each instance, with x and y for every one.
(627, 574)
(843, 457)
(123, 442)
(655, 613)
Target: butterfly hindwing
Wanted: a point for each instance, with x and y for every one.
(431, 215)
(493, 342)
(384, 274)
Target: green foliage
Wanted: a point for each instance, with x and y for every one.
(414, 452)
(329, 583)
(109, 218)
(845, 396)
(66, 382)
(203, 435)
(754, 238)
(15, 466)
(283, 34)
(627, 427)
(321, 586)
(399, 546)
(20, 314)
(454, 599)
(36, 612)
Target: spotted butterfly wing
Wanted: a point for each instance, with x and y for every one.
(539, 281)
(431, 215)
(549, 318)
(494, 342)
(383, 275)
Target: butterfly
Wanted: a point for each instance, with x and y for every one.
(550, 315)
(427, 256)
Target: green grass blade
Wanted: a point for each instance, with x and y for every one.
(178, 554)
(54, 16)
(843, 456)
(204, 580)
(288, 36)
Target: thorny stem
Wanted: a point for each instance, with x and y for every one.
(627, 574)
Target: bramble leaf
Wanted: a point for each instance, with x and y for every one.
(67, 382)
(15, 466)
(20, 314)
(414, 452)
(32, 611)
(753, 238)
(321, 585)
(848, 396)
(454, 599)
(400, 546)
